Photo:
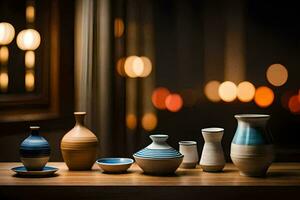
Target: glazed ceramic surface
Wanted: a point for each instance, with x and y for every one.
(190, 152)
(34, 150)
(158, 158)
(251, 148)
(212, 157)
(114, 165)
(46, 171)
(79, 146)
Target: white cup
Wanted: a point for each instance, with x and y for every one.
(190, 152)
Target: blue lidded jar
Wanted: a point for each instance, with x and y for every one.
(34, 150)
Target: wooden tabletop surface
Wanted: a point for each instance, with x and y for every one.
(280, 174)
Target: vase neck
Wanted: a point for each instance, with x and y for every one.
(34, 130)
(79, 118)
(159, 142)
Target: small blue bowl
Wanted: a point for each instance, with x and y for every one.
(114, 165)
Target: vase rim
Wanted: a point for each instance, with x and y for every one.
(187, 143)
(34, 127)
(159, 136)
(212, 130)
(251, 116)
(79, 113)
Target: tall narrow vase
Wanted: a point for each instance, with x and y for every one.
(251, 148)
(212, 157)
(79, 146)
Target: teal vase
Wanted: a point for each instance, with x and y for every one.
(252, 150)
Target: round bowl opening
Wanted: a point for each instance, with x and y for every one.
(114, 161)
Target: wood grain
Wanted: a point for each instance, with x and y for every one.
(280, 174)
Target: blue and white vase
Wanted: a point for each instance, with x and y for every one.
(251, 148)
(159, 157)
(34, 151)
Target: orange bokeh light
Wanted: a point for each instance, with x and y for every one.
(174, 102)
(227, 91)
(211, 91)
(149, 121)
(277, 74)
(245, 91)
(294, 104)
(264, 96)
(159, 96)
(131, 121)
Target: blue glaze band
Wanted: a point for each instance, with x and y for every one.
(115, 161)
(251, 136)
(34, 146)
(158, 153)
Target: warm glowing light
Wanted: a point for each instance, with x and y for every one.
(7, 33)
(245, 91)
(227, 91)
(119, 27)
(131, 121)
(294, 104)
(137, 66)
(264, 96)
(29, 59)
(4, 81)
(128, 66)
(159, 96)
(120, 67)
(174, 102)
(29, 81)
(149, 121)
(277, 74)
(4, 54)
(30, 13)
(147, 66)
(211, 91)
(189, 97)
(28, 39)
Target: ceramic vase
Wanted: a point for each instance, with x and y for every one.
(189, 150)
(251, 148)
(158, 158)
(79, 145)
(212, 157)
(34, 151)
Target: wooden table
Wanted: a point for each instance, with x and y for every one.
(283, 180)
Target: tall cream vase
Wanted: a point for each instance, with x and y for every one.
(79, 145)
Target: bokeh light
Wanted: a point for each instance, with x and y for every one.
(29, 59)
(7, 33)
(189, 97)
(294, 104)
(149, 121)
(128, 66)
(159, 96)
(119, 27)
(227, 91)
(4, 81)
(30, 13)
(131, 121)
(137, 66)
(277, 74)
(211, 91)
(4, 54)
(147, 66)
(120, 66)
(264, 96)
(174, 102)
(245, 91)
(29, 81)
(28, 39)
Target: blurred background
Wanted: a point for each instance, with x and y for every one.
(141, 67)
